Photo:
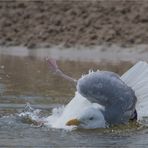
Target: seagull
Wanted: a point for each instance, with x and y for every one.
(103, 98)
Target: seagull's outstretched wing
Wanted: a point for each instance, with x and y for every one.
(107, 89)
(137, 78)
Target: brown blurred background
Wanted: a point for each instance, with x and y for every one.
(68, 22)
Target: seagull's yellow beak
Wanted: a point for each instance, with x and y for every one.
(73, 122)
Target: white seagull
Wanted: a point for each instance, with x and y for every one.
(103, 99)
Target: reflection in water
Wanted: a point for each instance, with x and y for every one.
(2, 88)
(29, 76)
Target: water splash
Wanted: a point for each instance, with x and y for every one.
(34, 116)
(31, 116)
(59, 116)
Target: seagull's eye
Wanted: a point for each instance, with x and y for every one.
(91, 118)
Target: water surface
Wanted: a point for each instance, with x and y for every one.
(24, 77)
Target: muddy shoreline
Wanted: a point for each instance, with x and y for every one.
(53, 22)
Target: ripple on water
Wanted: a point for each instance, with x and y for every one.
(20, 133)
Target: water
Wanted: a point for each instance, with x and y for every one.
(24, 77)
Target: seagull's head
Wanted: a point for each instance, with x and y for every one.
(90, 118)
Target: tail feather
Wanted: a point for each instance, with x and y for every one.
(137, 79)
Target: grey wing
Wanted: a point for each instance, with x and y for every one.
(107, 89)
(103, 87)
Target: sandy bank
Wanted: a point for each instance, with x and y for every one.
(84, 22)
